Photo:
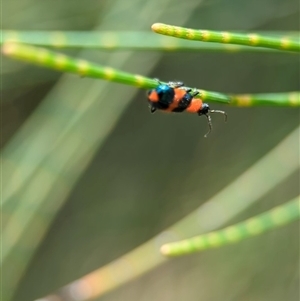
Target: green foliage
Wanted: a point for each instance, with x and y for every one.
(118, 40)
(283, 43)
(48, 239)
(65, 63)
(257, 225)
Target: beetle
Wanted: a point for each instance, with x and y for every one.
(172, 97)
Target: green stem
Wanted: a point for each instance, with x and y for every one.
(259, 224)
(61, 62)
(52, 60)
(249, 39)
(290, 99)
(114, 40)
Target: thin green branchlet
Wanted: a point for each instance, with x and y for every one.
(284, 43)
(53, 60)
(257, 225)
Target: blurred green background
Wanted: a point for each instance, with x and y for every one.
(144, 172)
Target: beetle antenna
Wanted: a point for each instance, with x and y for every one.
(221, 112)
(209, 119)
(157, 80)
(209, 124)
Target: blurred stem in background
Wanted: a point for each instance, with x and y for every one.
(272, 219)
(53, 148)
(217, 211)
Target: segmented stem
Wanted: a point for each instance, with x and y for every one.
(290, 99)
(272, 219)
(111, 40)
(61, 62)
(249, 39)
(64, 63)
